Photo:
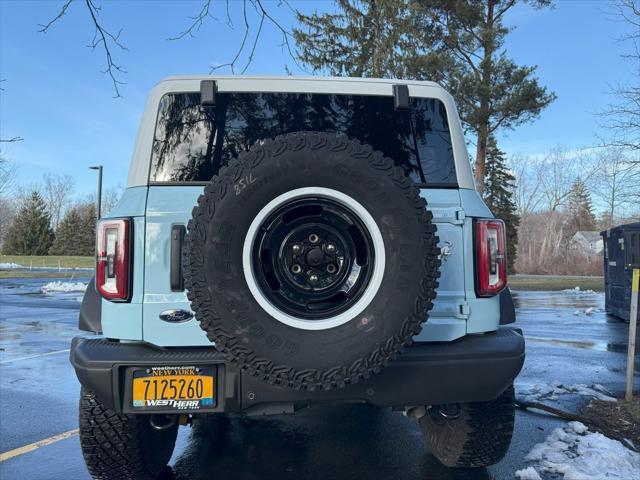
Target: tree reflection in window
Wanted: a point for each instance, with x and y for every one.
(192, 142)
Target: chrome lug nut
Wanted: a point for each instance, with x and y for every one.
(296, 249)
(296, 268)
(313, 278)
(330, 248)
(313, 238)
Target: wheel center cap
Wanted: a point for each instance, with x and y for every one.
(315, 257)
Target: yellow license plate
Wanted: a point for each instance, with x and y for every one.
(174, 388)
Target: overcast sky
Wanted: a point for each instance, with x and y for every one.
(57, 100)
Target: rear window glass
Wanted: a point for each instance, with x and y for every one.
(192, 142)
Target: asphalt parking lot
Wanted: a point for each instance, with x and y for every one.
(570, 341)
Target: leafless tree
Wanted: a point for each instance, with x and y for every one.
(8, 209)
(616, 184)
(7, 201)
(255, 14)
(7, 174)
(57, 191)
(559, 170)
(622, 117)
(110, 198)
(544, 184)
(528, 194)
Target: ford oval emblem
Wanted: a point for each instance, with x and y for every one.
(176, 316)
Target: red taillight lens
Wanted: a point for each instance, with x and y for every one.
(491, 257)
(112, 259)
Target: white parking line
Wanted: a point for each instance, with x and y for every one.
(36, 445)
(11, 360)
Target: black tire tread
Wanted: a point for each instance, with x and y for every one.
(119, 447)
(198, 295)
(479, 437)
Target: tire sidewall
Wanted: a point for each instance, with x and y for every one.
(233, 200)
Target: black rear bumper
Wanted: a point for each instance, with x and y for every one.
(474, 368)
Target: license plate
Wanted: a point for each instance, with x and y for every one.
(174, 388)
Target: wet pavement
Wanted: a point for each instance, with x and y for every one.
(39, 394)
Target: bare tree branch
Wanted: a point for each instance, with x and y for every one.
(101, 37)
(249, 42)
(286, 35)
(622, 118)
(198, 20)
(11, 140)
(106, 40)
(63, 11)
(233, 62)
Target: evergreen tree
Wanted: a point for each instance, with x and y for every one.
(30, 233)
(88, 231)
(499, 187)
(579, 209)
(76, 232)
(459, 43)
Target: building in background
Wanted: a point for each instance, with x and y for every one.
(588, 242)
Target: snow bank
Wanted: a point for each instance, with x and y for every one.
(574, 453)
(577, 290)
(551, 391)
(7, 266)
(63, 287)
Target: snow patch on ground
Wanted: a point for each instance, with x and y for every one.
(577, 290)
(553, 390)
(528, 473)
(574, 453)
(63, 287)
(588, 311)
(7, 266)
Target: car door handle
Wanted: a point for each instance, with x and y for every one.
(175, 273)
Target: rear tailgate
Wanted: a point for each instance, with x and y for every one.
(166, 206)
(172, 205)
(447, 320)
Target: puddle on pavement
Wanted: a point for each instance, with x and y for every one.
(617, 347)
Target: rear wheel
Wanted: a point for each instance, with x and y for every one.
(470, 434)
(122, 447)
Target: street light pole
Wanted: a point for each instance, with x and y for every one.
(99, 168)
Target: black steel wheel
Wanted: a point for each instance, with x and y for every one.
(313, 257)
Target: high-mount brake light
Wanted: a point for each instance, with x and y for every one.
(491, 257)
(112, 259)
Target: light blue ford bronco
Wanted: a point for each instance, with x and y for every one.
(284, 242)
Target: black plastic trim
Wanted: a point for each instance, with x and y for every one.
(90, 318)
(208, 92)
(474, 368)
(507, 308)
(176, 279)
(401, 99)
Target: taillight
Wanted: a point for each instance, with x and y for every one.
(491, 257)
(112, 259)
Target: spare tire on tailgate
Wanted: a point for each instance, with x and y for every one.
(311, 260)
